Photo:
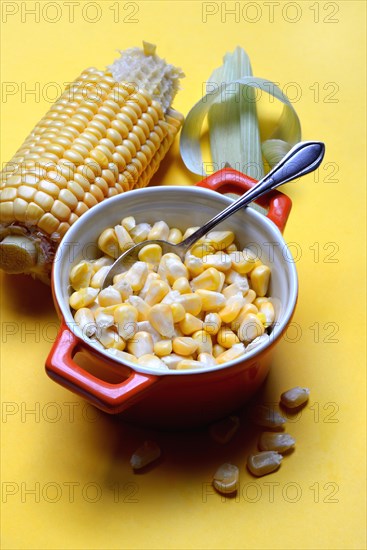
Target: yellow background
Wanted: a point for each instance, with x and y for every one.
(72, 455)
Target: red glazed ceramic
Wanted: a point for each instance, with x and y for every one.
(174, 398)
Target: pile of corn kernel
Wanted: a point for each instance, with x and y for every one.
(167, 313)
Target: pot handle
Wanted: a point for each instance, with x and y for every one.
(111, 398)
(232, 181)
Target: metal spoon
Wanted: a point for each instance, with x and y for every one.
(303, 158)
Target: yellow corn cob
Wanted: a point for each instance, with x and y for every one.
(106, 134)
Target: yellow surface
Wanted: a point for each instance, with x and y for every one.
(77, 460)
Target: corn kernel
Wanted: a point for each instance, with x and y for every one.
(210, 279)
(182, 285)
(159, 232)
(225, 479)
(264, 338)
(174, 236)
(250, 328)
(80, 275)
(124, 239)
(163, 348)
(236, 288)
(245, 310)
(212, 323)
(150, 360)
(231, 248)
(161, 318)
(126, 317)
(207, 359)
(224, 430)
(99, 276)
(191, 302)
(243, 262)
(104, 318)
(295, 397)
(122, 355)
(190, 324)
(83, 297)
(146, 326)
(110, 339)
(137, 275)
(227, 338)
(232, 276)
(259, 278)
(128, 223)
(211, 301)
(150, 278)
(194, 265)
(201, 249)
(156, 292)
(144, 455)
(140, 232)
(141, 306)
(151, 254)
(267, 309)
(217, 350)
(204, 342)
(187, 364)
(260, 300)
(220, 261)
(250, 296)
(103, 261)
(232, 308)
(85, 319)
(178, 312)
(267, 417)
(172, 268)
(230, 354)
(189, 231)
(124, 288)
(141, 344)
(219, 239)
(184, 345)
(172, 360)
(109, 296)
(108, 243)
(273, 441)
(264, 463)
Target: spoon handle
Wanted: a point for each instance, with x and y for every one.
(303, 158)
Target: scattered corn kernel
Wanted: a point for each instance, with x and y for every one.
(207, 359)
(210, 279)
(225, 479)
(220, 240)
(128, 223)
(124, 239)
(295, 397)
(174, 236)
(156, 292)
(182, 285)
(259, 340)
(108, 243)
(267, 417)
(244, 261)
(144, 455)
(140, 232)
(159, 232)
(220, 261)
(224, 430)
(273, 441)
(210, 300)
(217, 350)
(232, 308)
(141, 306)
(204, 341)
(264, 463)
(137, 275)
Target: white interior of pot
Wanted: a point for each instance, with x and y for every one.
(180, 207)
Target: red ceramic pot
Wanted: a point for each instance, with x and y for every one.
(174, 398)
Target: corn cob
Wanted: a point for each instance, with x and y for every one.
(106, 134)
